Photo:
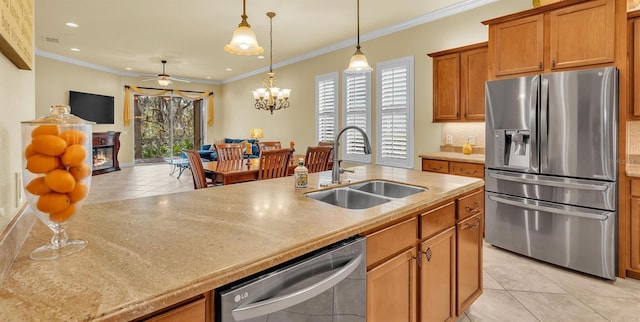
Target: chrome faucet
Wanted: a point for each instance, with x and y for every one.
(336, 171)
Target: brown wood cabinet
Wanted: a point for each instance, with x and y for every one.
(634, 60)
(553, 37)
(414, 270)
(459, 75)
(466, 169)
(635, 225)
(198, 309)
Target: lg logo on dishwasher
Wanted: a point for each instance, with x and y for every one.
(239, 297)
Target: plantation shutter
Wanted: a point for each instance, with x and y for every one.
(357, 112)
(395, 113)
(326, 107)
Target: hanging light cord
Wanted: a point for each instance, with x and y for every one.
(358, 21)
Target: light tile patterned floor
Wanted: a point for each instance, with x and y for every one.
(516, 288)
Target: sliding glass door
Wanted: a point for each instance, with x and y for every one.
(164, 125)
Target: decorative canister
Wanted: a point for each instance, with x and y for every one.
(57, 161)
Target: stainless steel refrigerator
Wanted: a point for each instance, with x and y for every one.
(551, 168)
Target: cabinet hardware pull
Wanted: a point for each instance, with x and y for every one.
(553, 63)
(418, 259)
(474, 209)
(428, 254)
(540, 65)
(471, 226)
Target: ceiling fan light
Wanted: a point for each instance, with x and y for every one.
(244, 42)
(358, 63)
(164, 82)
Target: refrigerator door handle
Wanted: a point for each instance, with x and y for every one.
(534, 162)
(545, 182)
(544, 123)
(547, 207)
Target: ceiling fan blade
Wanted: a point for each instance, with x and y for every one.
(148, 79)
(180, 80)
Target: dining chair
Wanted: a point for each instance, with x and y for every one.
(330, 159)
(197, 170)
(229, 151)
(269, 145)
(274, 163)
(317, 158)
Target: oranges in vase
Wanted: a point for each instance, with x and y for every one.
(57, 176)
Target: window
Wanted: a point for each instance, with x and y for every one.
(356, 111)
(326, 106)
(394, 110)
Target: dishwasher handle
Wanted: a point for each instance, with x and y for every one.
(268, 306)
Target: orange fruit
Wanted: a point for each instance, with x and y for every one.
(49, 144)
(53, 202)
(60, 181)
(29, 151)
(79, 192)
(63, 215)
(44, 129)
(73, 137)
(74, 155)
(40, 163)
(80, 172)
(37, 186)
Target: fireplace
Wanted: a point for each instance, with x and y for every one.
(105, 152)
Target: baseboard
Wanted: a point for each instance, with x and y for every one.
(12, 238)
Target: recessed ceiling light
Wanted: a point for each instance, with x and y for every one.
(208, 77)
(128, 68)
(260, 57)
(72, 24)
(74, 49)
(229, 69)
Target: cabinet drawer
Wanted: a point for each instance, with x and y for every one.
(192, 312)
(467, 169)
(635, 188)
(435, 166)
(470, 205)
(391, 240)
(437, 220)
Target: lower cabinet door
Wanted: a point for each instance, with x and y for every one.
(437, 277)
(469, 261)
(391, 289)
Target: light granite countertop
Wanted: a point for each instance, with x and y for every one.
(454, 156)
(145, 254)
(633, 170)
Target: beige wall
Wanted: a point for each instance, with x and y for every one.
(297, 123)
(17, 92)
(54, 80)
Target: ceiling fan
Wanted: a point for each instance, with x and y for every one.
(164, 79)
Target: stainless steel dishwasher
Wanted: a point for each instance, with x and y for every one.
(328, 285)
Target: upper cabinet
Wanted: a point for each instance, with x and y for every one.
(553, 37)
(459, 75)
(634, 60)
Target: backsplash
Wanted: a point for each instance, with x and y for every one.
(459, 133)
(633, 142)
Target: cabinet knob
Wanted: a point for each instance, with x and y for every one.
(540, 65)
(470, 226)
(553, 63)
(418, 259)
(474, 209)
(428, 254)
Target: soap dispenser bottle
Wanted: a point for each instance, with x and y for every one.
(301, 175)
(466, 148)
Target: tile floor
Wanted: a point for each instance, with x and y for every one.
(516, 288)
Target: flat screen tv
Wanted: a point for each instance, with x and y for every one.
(92, 107)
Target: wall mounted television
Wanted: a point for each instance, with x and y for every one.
(92, 107)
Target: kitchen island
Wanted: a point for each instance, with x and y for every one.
(150, 253)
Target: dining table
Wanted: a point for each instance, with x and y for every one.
(235, 171)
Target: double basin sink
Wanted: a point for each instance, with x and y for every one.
(365, 194)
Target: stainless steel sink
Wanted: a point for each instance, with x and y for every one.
(348, 198)
(387, 189)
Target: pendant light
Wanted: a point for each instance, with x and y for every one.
(244, 40)
(358, 63)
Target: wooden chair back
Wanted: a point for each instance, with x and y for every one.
(269, 145)
(274, 163)
(317, 158)
(197, 170)
(330, 160)
(229, 151)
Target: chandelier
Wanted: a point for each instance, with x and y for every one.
(269, 97)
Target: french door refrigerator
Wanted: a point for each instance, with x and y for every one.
(551, 168)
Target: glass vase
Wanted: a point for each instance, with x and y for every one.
(57, 164)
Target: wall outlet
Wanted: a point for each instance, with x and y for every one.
(448, 139)
(472, 140)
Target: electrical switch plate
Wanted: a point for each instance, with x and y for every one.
(449, 139)
(19, 192)
(472, 140)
